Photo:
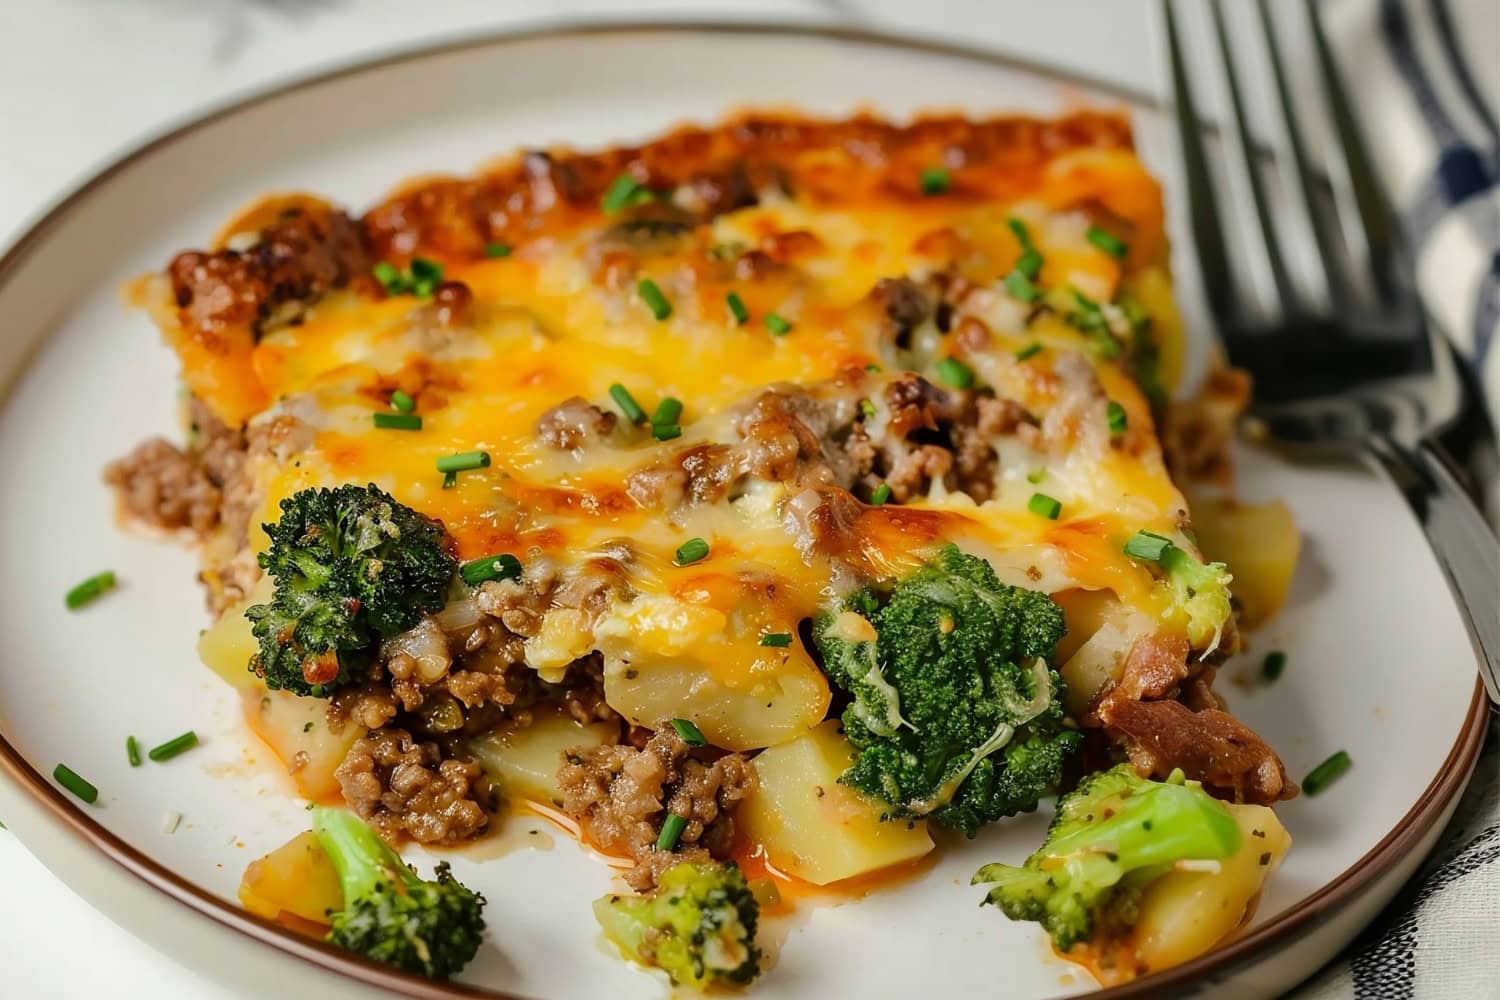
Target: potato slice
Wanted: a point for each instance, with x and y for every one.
(1184, 914)
(296, 878)
(292, 726)
(813, 827)
(227, 646)
(1095, 666)
(525, 760)
(1259, 543)
(776, 706)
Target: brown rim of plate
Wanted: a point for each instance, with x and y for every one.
(1402, 838)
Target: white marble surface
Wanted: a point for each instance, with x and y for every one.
(83, 80)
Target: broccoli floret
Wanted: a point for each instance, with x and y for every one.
(1201, 592)
(1112, 836)
(698, 925)
(351, 565)
(955, 714)
(432, 928)
(1197, 591)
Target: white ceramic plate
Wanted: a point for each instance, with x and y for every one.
(1378, 660)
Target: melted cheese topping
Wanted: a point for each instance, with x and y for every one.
(561, 317)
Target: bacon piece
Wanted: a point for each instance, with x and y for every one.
(1210, 746)
(1141, 712)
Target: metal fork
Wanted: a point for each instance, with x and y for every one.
(1344, 358)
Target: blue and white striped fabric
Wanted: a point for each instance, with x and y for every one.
(1427, 76)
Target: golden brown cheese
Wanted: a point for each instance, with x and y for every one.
(802, 221)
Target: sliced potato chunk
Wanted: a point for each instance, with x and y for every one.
(769, 707)
(296, 878)
(813, 827)
(297, 730)
(1184, 914)
(1259, 543)
(227, 646)
(525, 760)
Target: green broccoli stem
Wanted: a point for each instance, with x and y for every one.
(358, 854)
(1156, 827)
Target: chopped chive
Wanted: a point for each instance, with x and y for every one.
(627, 404)
(173, 747)
(778, 326)
(1087, 316)
(133, 751)
(671, 830)
(668, 411)
(389, 277)
(1272, 666)
(1107, 241)
(1118, 420)
(872, 367)
(1327, 772)
(70, 780)
(666, 432)
(867, 408)
(1042, 505)
(625, 192)
(655, 300)
(1148, 545)
(398, 421)
(497, 250)
(90, 590)
(499, 567)
(1023, 235)
(1020, 287)
(402, 403)
(776, 639)
(464, 461)
(688, 733)
(1029, 351)
(691, 551)
(1035, 476)
(955, 373)
(450, 480)
(935, 180)
(737, 309)
(880, 494)
(423, 269)
(1030, 263)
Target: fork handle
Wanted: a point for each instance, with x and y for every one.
(1466, 548)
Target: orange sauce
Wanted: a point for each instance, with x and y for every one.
(327, 794)
(1118, 960)
(793, 891)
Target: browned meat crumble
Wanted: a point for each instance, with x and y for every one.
(620, 796)
(403, 787)
(827, 435)
(456, 675)
(303, 254)
(574, 423)
(167, 487)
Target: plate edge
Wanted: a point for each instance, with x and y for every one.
(1451, 778)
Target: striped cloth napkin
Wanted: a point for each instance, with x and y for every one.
(1427, 76)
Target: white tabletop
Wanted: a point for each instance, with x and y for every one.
(83, 80)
